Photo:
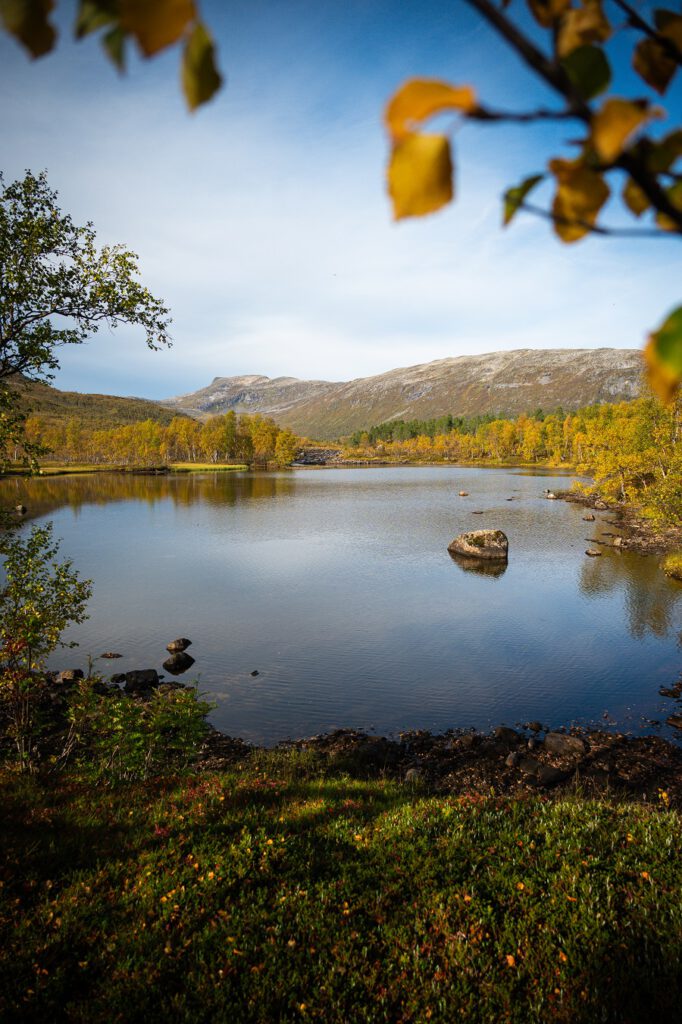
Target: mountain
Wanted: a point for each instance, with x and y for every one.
(498, 382)
(98, 412)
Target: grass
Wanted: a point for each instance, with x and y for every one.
(276, 892)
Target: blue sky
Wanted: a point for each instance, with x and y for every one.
(262, 219)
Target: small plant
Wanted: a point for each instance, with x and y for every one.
(117, 738)
(672, 565)
(40, 598)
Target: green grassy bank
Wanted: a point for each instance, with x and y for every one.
(278, 891)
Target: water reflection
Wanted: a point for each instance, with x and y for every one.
(44, 494)
(650, 599)
(336, 587)
(480, 566)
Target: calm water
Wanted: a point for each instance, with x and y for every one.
(336, 585)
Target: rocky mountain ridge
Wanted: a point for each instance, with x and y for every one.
(507, 383)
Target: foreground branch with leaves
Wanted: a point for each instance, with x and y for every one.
(617, 140)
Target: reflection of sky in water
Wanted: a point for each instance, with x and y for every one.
(337, 586)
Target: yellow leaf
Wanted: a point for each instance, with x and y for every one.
(633, 197)
(200, 77)
(546, 12)
(420, 175)
(580, 195)
(27, 20)
(663, 357)
(156, 23)
(582, 25)
(614, 123)
(653, 64)
(674, 194)
(421, 98)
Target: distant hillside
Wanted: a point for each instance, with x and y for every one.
(499, 382)
(94, 411)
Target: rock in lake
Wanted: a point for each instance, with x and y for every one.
(110, 654)
(593, 553)
(179, 645)
(601, 505)
(142, 680)
(21, 509)
(481, 544)
(178, 663)
(464, 494)
(589, 518)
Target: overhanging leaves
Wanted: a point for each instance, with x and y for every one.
(421, 98)
(28, 21)
(588, 70)
(582, 25)
(200, 77)
(514, 197)
(580, 195)
(420, 175)
(652, 63)
(663, 355)
(614, 124)
(156, 24)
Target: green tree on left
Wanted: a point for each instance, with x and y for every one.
(57, 288)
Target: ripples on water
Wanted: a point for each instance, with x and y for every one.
(336, 585)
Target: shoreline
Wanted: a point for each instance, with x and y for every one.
(504, 762)
(638, 534)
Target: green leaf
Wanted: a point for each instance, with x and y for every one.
(663, 354)
(114, 43)
(27, 20)
(200, 77)
(588, 70)
(513, 197)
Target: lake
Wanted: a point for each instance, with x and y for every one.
(336, 586)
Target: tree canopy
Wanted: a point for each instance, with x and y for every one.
(57, 288)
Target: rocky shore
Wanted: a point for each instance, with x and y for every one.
(634, 532)
(505, 761)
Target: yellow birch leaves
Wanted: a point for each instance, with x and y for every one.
(420, 172)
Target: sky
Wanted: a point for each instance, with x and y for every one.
(263, 222)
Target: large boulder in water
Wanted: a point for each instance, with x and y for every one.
(490, 545)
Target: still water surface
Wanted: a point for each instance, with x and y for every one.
(337, 587)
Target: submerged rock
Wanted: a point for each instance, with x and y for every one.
(593, 553)
(488, 545)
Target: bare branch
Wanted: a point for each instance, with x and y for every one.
(522, 117)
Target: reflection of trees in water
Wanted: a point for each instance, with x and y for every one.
(43, 495)
(650, 597)
(480, 566)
